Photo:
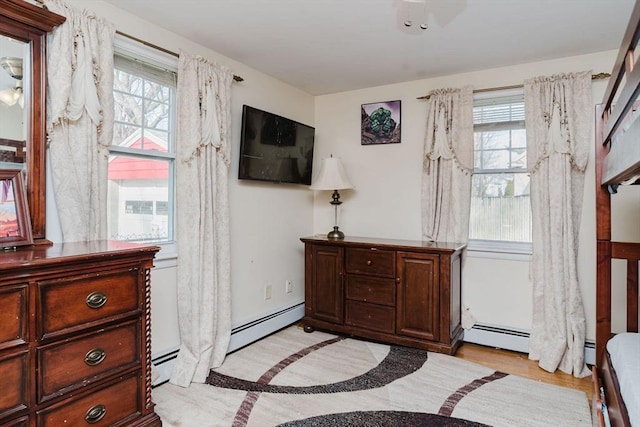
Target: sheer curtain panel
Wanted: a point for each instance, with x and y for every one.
(202, 175)
(447, 165)
(559, 122)
(80, 119)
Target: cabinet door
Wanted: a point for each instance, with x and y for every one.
(327, 295)
(418, 295)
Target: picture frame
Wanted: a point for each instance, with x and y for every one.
(380, 123)
(15, 223)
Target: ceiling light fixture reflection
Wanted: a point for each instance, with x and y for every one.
(13, 66)
(12, 95)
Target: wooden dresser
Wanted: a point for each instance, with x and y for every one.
(75, 335)
(395, 291)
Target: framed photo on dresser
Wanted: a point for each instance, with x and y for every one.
(15, 224)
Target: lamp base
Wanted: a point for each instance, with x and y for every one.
(335, 234)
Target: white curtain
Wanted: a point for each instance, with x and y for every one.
(204, 292)
(559, 122)
(80, 119)
(448, 164)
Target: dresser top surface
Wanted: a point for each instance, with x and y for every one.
(58, 252)
(354, 241)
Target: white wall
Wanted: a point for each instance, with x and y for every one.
(625, 208)
(267, 220)
(386, 200)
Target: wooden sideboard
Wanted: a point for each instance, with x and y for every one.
(75, 335)
(395, 291)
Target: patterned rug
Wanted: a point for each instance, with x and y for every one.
(297, 379)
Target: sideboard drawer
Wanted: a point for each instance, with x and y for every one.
(371, 316)
(13, 316)
(371, 261)
(371, 289)
(100, 408)
(15, 383)
(70, 303)
(76, 363)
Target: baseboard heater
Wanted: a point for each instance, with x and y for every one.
(512, 339)
(241, 336)
(249, 332)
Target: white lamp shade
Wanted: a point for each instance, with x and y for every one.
(331, 176)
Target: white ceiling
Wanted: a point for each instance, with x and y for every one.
(327, 46)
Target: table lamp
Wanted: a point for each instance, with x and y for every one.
(332, 176)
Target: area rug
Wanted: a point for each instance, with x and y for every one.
(297, 379)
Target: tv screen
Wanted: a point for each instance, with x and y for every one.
(274, 148)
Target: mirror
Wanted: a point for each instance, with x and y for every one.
(12, 113)
(23, 30)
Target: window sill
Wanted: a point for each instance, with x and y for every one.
(512, 251)
(510, 256)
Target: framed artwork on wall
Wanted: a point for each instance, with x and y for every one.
(380, 123)
(15, 224)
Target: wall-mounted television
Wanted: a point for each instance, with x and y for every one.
(274, 148)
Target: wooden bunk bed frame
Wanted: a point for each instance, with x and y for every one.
(617, 162)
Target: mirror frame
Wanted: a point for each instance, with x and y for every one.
(29, 23)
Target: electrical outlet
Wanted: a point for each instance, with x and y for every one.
(288, 286)
(267, 291)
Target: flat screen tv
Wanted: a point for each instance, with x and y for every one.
(274, 148)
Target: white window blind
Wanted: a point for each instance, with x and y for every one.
(500, 203)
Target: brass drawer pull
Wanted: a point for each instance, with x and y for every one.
(369, 262)
(95, 357)
(96, 299)
(95, 414)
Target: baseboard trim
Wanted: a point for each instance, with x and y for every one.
(241, 336)
(512, 339)
(254, 330)
(162, 366)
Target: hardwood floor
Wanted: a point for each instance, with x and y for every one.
(518, 364)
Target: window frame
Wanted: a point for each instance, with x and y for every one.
(500, 249)
(134, 50)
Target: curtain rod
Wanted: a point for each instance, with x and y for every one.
(161, 49)
(598, 76)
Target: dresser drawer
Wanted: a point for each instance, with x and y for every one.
(371, 316)
(371, 289)
(15, 383)
(371, 261)
(20, 422)
(103, 407)
(77, 362)
(72, 303)
(13, 315)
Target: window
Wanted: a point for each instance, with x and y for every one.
(500, 199)
(140, 202)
